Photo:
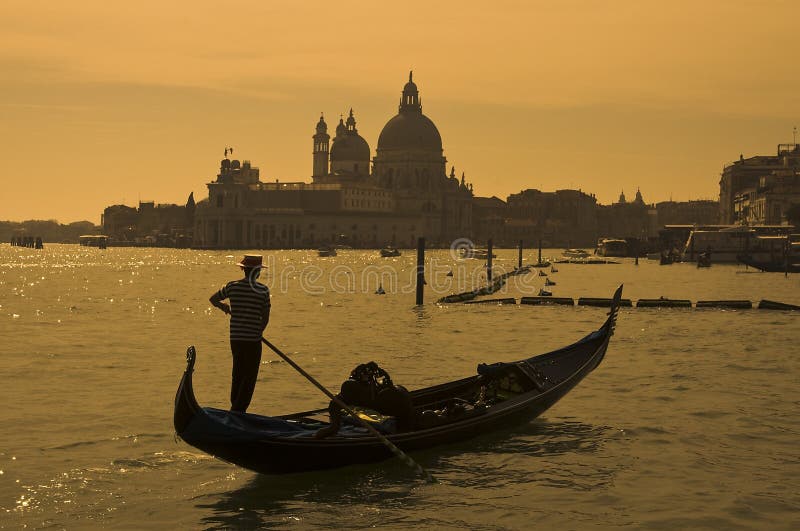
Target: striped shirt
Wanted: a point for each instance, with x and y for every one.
(247, 304)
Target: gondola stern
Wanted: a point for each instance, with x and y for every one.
(186, 406)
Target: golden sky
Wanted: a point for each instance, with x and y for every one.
(103, 102)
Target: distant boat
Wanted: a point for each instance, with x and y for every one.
(326, 251)
(449, 273)
(612, 247)
(575, 253)
(544, 293)
(542, 273)
(380, 290)
(388, 252)
(549, 282)
(553, 269)
(704, 260)
(477, 254)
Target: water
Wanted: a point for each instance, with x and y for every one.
(690, 421)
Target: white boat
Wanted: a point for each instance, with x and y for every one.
(575, 253)
(726, 245)
(612, 247)
(478, 254)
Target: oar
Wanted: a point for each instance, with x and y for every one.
(395, 450)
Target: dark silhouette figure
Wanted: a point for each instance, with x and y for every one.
(249, 310)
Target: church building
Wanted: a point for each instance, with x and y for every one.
(401, 193)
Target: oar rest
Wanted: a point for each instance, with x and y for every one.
(539, 380)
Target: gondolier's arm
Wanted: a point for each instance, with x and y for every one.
(216, 300)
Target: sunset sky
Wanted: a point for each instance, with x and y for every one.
(109, 102)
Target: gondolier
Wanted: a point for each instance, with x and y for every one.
(249, 310)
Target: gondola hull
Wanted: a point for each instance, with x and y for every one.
(280, 445)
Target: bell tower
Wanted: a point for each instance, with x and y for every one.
(321, 147)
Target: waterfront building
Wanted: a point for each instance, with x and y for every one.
(168, 225)
(560, 218)
(771, 200)
(696, 212)
(745, 174)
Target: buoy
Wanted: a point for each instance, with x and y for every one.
(536, 301)
(600, 302)
(664, 303)
(734, 304)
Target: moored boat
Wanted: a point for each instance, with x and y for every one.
(575, 253)
(612, 247)
(286, 444)
(389, 252)
(326, 251)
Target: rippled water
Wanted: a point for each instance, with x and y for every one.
(690, 421)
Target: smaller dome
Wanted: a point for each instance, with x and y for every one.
(349, 147)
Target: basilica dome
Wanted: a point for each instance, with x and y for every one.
(410, 129)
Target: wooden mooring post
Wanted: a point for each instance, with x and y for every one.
(519, 256)
(420, 271)
(489, 262)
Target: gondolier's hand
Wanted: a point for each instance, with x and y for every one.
(225, 308)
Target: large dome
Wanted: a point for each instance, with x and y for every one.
(410, 131)
(349, 147)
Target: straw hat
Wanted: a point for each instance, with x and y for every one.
(251, 261)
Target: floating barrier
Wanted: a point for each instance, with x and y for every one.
(733, 304)
(772, 305)
(536, 301)
(508, 300)
(664, 303)
(603, 303)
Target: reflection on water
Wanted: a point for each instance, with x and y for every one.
(491, 462)
(689, 421)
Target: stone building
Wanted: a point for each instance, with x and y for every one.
(769, 202)
(745, 174)
(405, 194)
(561, 218)
(163, 224)
(489, 219)
(628, 220)
(697, 212)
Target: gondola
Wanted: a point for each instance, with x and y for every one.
(389, 252)
(286, 444)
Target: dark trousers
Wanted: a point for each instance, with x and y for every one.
(246, 361)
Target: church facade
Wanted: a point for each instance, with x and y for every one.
(400, 194)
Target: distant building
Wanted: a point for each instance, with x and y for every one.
(560, 218)
(406, 194)
(769, 202)
(488, 219)
(150, 224)
(698, 212)
(745, 174)
(627, 220)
